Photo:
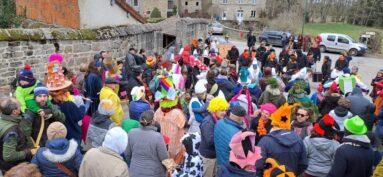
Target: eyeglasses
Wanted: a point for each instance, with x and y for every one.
(301, 115)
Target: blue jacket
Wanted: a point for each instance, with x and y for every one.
(225, 85)
(224, 130)
(58, 151)
(73, 114)
(136, 108)
(206, 147)
(354, 158)
(286, 148)
(231, 171)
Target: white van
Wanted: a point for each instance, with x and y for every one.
(341, 43)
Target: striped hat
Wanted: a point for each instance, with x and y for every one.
(40, 89)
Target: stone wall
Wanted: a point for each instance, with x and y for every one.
(33, 46)
(189, 28)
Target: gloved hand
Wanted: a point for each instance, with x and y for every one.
(34, 150)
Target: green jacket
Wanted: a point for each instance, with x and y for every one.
(25, 94)
(15, 145)
(34, 106)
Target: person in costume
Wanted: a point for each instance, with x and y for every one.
(330, 100)
(46, 112)
(318, 96)
(355, 157)
(109, 92)
(261, 124)
(320, 147)
(347, 83)
(139, 104)
(73, 109)
(170, 117)
(282, 144)
(274, 169)
(197, 107)
(26, 85)
(272, 94)
(297, 93)
(243, 156)
(217, 110)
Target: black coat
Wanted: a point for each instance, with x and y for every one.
(271, 64)
(251, 39)
(284, 58)
(329, 103)
(341, 64)
(326, 70)
(354, 158)
(132, 82)
(316, 53)
(302, 61)
(233, 55)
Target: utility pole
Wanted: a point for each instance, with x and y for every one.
(304, 15)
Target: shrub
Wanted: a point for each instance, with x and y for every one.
(155, 13)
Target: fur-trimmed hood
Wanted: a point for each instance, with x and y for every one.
(60, 150)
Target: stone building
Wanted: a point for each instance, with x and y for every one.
(190, 6)
(79, 13)
(145, 7)
(237, 10)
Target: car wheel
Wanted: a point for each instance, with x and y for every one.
(353, 52)
(322, 48)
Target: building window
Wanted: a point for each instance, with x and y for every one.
(225, 1)
(239, 14)
(197, 3)
(253, 14)
(240, 1)
(254, 1)
(135, 2)
(224, 15)
(186, 3)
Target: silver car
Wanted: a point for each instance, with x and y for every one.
(334, 42)
(216, 28)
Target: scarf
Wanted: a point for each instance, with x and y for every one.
(261, 130)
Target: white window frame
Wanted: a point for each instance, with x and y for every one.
(254, 1)
(240, 1)
(225, 1)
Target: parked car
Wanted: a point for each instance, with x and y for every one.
(334, 42)
(276, 38)
(216, 28)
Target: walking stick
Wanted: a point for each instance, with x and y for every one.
(37, 142)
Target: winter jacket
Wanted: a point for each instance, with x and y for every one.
(284, 58)
(24, 94)
(133, 82)
(233, 55)
(98, 127)
(226, 86)
(246, 62)
(316, 52)
(15, 144)
(320, 154)
(341, 64)
(129, 62)
(362, 107)
(291, 68)
(340, 114)
(254, 127)
(196, 109)
(58, 151)
(251, 39)
(73, 115)
(145, 157)
(272, 96)
(353, 158)
(136, 108)
(207, 148)
(192, 165)
(229, 170)
(302, 129)
(301, 59)
(271, 63)
(110, 94)
(34, 119)
(326, 70)
(101, 162)
(329, 103)
(224, 130)
(93, 85)
(286, 148)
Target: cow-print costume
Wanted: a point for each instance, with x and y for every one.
(192, 165)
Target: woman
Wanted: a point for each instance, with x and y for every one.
(271, 61)
(321, 147)
(93, 85)
(146, 157)
(58, 153)
(284, 58)
(326, 69)
(233, 55)
(330, 100)
(217, 109)
(261, 124)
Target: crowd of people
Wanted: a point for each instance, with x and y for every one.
(194, 113)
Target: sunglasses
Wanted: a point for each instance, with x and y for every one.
(301, 115)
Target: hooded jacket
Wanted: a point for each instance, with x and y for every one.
(286, 148)
(58, 151)
(110, 94)
(362, 107)
(320, 152)
(229, 170)
(136, 108)
(192, 165)
(99, 125)
(207, 148)
(340, 114)
(354, 158)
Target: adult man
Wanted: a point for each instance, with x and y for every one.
(224, 130)
(15, 146)
(130, 61)
(251, 39)
(282, 144)
(355, 157)
(42, 109)
(109, 92)
(135, 80)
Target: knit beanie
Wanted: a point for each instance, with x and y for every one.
(26, 74)
(238, 111)
(56, 130)
(269, 107)
(116, 139)
(40, 89)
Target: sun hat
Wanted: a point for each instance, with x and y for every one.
(243, 151)
(56, 80)
(56, 130)
(355, 125)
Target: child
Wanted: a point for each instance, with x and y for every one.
(302, 125)
(26, 84)
(355, 72)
